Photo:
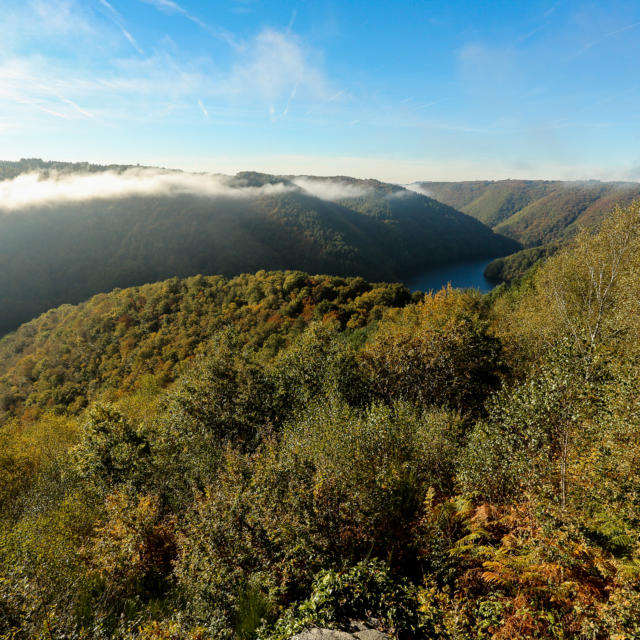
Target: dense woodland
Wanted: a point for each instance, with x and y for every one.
(64, 252)
(516, 265)
(534, 212)
(246, 458)
(540, 214)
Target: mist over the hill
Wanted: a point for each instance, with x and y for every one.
(331, 188)
(52, 188)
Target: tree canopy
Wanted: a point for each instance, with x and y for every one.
(248, 458)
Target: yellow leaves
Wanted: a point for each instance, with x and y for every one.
(27, 447)
(483, 514)
(527, 578)
(522, 573)
(134, 538)
(498, 578)
(587, 291)
(170, 630)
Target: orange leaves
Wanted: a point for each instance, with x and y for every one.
(548, 579)
(135, 539)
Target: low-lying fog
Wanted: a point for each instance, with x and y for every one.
(38, 188)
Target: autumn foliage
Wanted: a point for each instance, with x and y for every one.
(206, 458)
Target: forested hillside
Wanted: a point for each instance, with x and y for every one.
(516, 265)
(71, 231)
(114, 343)
(540, 214)
(248, 458)
(534, 212)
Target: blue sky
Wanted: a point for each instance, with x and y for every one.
(400, 91)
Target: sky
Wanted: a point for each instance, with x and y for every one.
(395, 90)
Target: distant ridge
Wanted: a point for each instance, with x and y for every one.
(69, 231)
(534, 212)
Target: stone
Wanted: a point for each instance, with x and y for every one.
(330, 634)
(323, 634)
(371, 634)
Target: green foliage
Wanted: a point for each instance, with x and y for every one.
(64, 253)
(516, 265)
(526, 441)
(248, 458)
(357, 481)
(439, 352)
(339, 485)
(365, 592)
(320, 363)
(132, 339)
(113, 451)
(588, 291)
(535, 212)
(42, 581)
(130, 555)
(226, 556)
(31, 452)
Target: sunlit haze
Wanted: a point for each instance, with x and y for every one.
(397, 91)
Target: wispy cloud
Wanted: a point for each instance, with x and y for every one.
(173, 7)
(132, 40)
(37, 189)
(292, 95)
(275, 66)
(606, 36)
(34, 189)
(169, 6)
(205, 113)
(75, 106)
(60, 17)
(326, 101)
(51, 112)
(418, 187)
(109, 6)
(331, 188)
(22, 83)
(294, 15)
(112, 85)
(428, 105)
(119, 21)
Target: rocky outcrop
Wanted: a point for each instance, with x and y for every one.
(330, 634)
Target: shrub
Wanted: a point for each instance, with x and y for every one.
(365, 592)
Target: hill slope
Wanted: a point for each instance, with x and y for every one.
(442, 466)
(534, 212)
(72, 231)
(71, 354)
(514, 266)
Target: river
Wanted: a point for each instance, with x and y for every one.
(463, 275)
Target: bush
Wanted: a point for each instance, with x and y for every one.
(366, 592)
(339, 486)
(439, 352)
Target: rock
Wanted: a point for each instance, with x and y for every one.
(323, 634)
(330, 634)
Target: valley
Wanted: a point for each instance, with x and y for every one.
(141, 225)
(319, 320)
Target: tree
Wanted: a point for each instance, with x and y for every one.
(440, 352)
(589, 291)
(533, 431)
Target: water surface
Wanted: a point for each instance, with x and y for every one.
(463, 275)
